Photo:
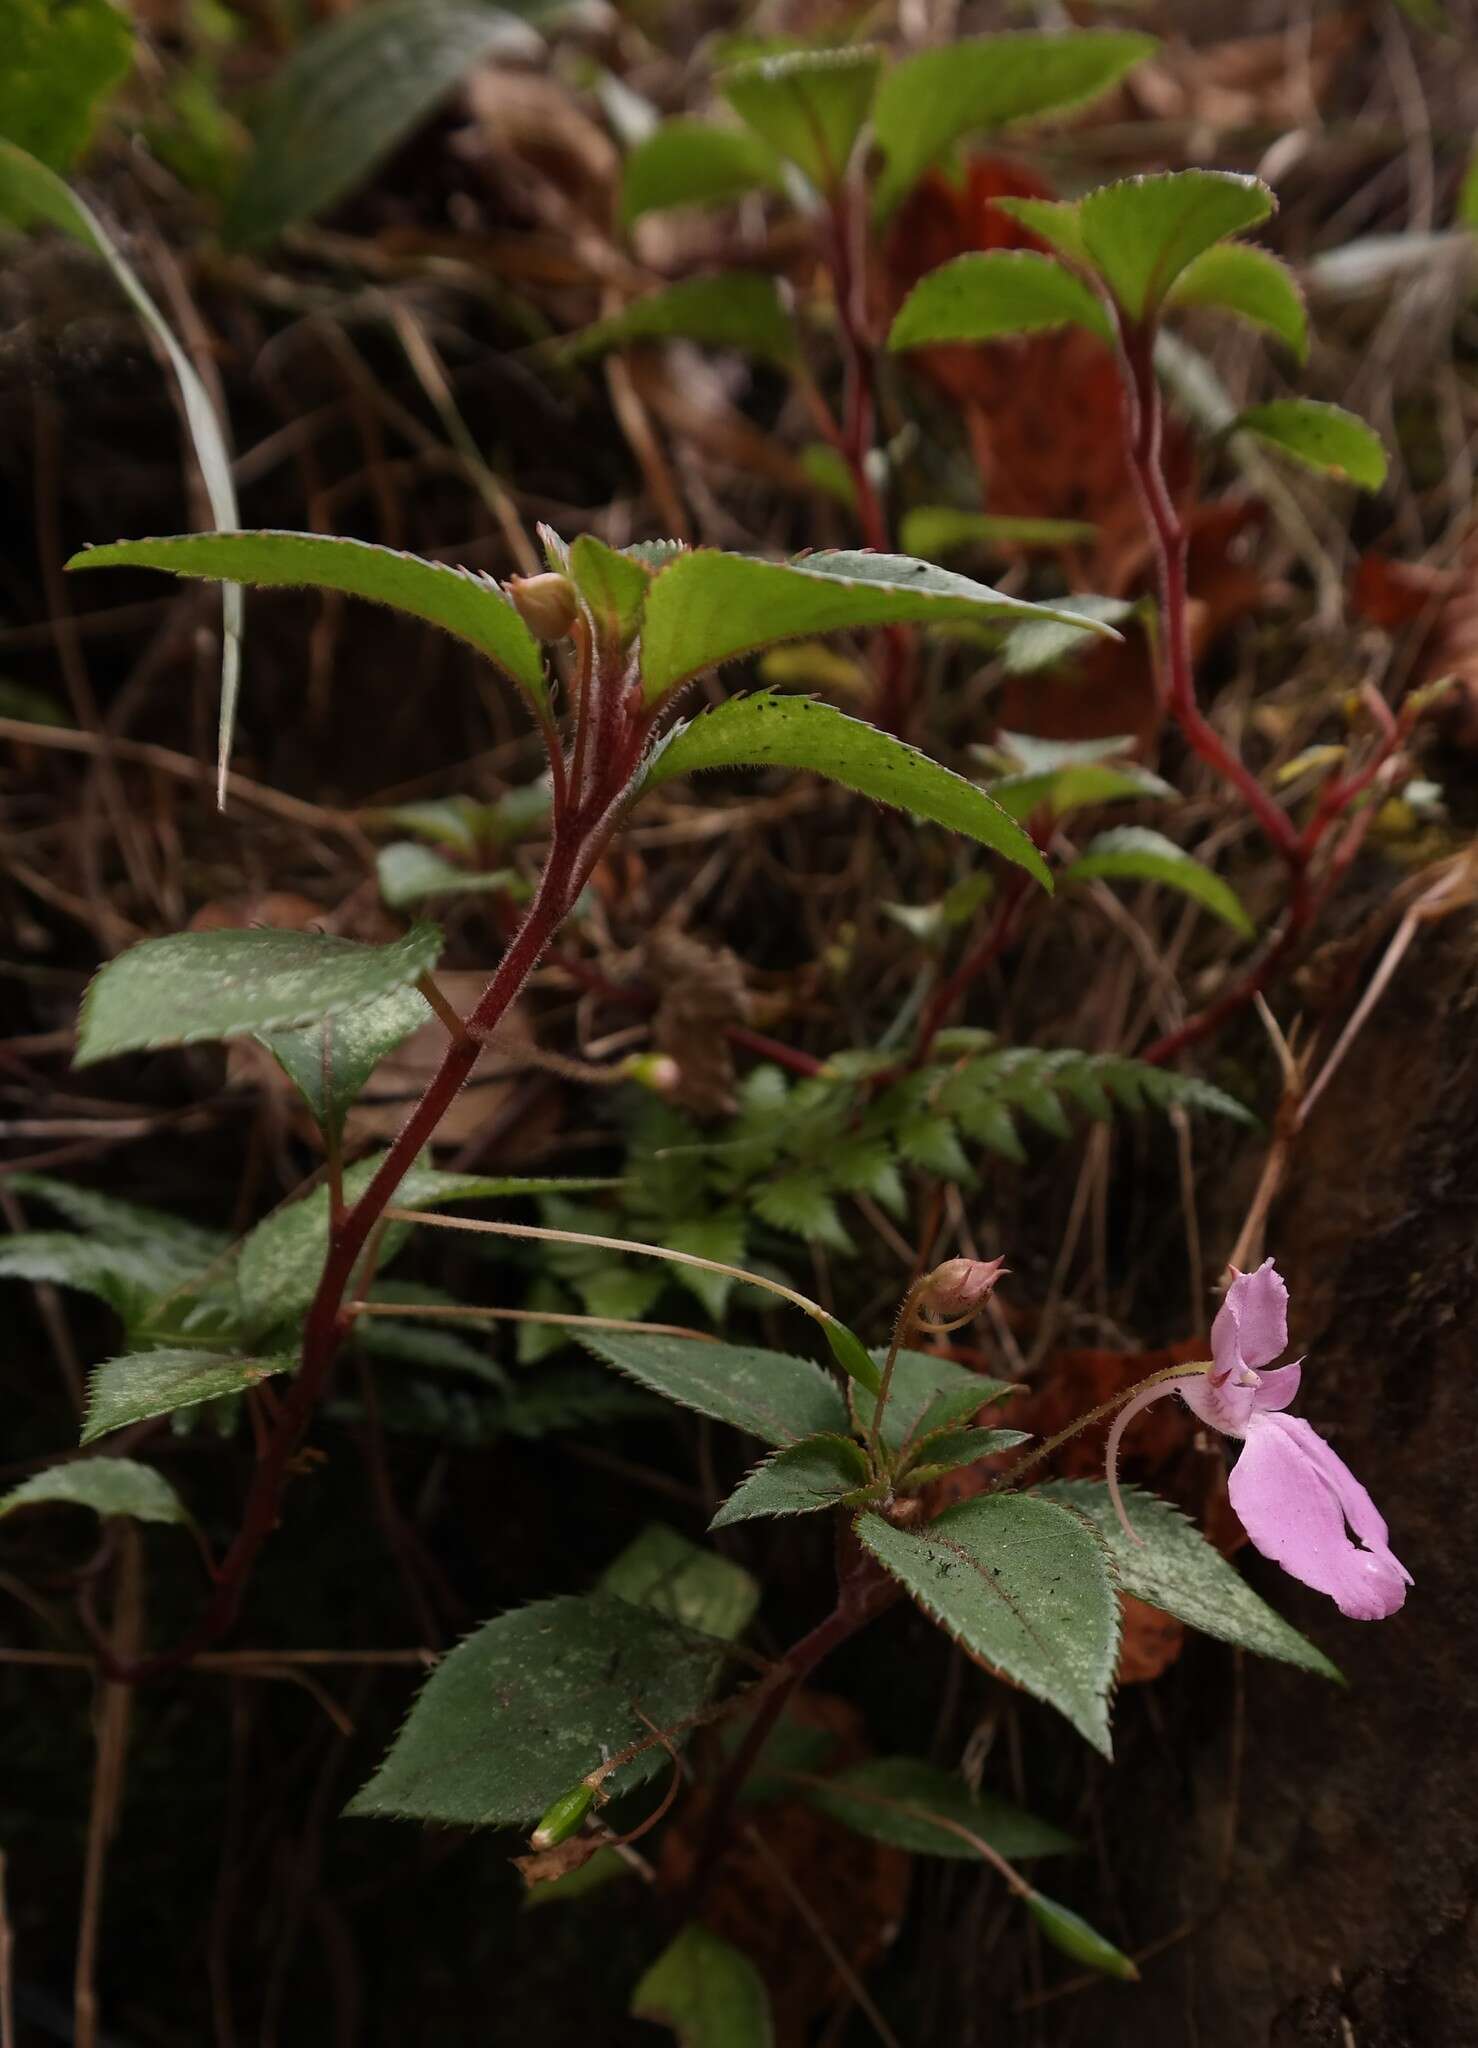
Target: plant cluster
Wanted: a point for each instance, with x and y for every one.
(580, 1718)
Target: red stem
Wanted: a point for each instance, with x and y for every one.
(1002, 930)
(572, 854)
(1144, 427)
(1144, 435)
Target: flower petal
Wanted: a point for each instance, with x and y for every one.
(1293, 1496)
(1257, 1305)
(1224, 1404)
(1226, 1345)
(1279, 1388)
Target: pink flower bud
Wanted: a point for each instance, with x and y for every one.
(960, 1286)
(547, 604)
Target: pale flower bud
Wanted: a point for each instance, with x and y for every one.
(547, 604)
(658, 1071)
(960, 1286)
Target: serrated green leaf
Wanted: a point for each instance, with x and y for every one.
(990, 1123)
(467, 826)
(707, 608)
(947, 1450)
(410, 874)
(655, 554)
(819, 1472)
(693, 163)
(991, 293)
(929, 101)
(613, 585)
(454, 821)
(685, 1582)
(625, 1293)
(1174, 1568)
(281, 1259)
(809, 105)
(128, 1277)
(933, 531)
(1082, 1077)
(1321, 437)
(197, 986)
(928, 1140)
(1134, 853)
(1038, 644)
(329, 1063)
(351, 91)
(60, 63)
(469, 606)
(1234, 277)
(29, 192)
(736, 309)
(149, 1383)
(1168, 1090)
(798, 1203)
(709, 1994)
(1141, 233)
(1072, 1934)
(773, 1396)
(181, 1248)
(1023, 1586)
(532, 1702)
(1055, 221)
(1067, 775)
(799, 732)
(1036, 1100)
(109, 1486)
(927, 1394)
(896, 1799)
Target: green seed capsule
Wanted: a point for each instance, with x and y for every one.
(1072, 1934)
(563, 1817)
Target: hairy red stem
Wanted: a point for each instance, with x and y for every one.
(1144, 436)
(575, 847)
(1144, 433)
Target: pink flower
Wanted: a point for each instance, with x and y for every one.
(1292, 1495)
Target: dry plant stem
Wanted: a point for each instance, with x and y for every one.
(539, 1233)
(114, 1711)
(424, 1311)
